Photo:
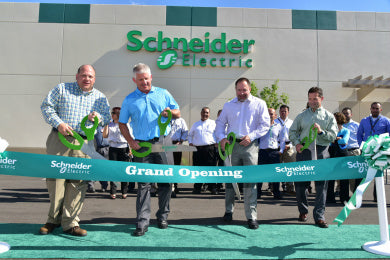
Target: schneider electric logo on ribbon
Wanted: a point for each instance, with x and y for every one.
(209, 52)
(78, 168)
(296, 171)
(7, 163)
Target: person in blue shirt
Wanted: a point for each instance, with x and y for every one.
(271, 147)
(375, 124)
(143, 106)
(352, 146)
(339, 149)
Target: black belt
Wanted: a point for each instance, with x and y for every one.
(352, 149)
(149, 141)
(56, 130)
(204, 146)
(270, 149)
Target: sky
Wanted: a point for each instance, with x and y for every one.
(331, 5)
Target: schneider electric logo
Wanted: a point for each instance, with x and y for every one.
(7, 163)
(361, 166)
(295, 171)
(199, 51)
(79, 168)
(167, 59)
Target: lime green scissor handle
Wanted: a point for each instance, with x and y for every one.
(89, 132)
(228, 147)
(310, 139)
(163, 128)
(146, 153)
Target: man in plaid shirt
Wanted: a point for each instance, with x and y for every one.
(63, 109)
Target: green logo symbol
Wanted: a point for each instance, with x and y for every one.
(167, 59)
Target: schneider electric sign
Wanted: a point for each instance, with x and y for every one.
(203, 52)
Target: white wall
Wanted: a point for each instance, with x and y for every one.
(37, 56)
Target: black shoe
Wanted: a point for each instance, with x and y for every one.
(228, 217)
(162, 224)
(140, 231)
(173, 194)
(252, 224)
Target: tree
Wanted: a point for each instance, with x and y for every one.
(270, 95)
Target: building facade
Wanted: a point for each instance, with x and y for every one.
(195, 52)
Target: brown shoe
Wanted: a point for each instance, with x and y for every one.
(302, 217)
(48, 228)
(322, 224)
(76, 231)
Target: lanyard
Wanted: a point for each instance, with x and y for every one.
(373, 125)
(281, 121)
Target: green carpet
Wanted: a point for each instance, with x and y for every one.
(193, 242)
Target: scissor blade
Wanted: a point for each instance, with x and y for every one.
(228, 162)
(89, 149)
(167, 141)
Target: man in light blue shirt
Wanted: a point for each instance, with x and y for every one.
(271, 147)
(143, 106)
(353, 145)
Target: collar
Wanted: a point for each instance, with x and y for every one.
(249, 99)
(317, 110)
(140, 93)
(375, 118)
(82, 92)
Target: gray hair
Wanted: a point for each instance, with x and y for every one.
(141, 68)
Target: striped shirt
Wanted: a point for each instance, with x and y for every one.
(67, 103)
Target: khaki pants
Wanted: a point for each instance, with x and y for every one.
(66, 196)
(244, 155)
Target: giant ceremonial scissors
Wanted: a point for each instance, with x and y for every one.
(86, 146)
(227, 157)
(164, 144)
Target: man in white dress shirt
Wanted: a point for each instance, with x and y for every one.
(289, 153)
(202, 136)
(247, 117)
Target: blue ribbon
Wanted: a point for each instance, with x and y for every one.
(60, 167)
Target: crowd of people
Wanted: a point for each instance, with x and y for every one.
(262, 137)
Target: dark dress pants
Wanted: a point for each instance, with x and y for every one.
(335, 151)
(269, 156)
(143, 195)
(321, 186)
(118, 154)
(204, 156)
